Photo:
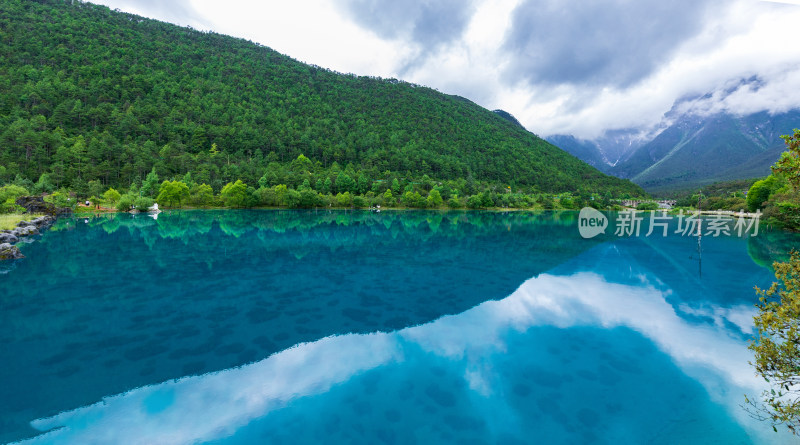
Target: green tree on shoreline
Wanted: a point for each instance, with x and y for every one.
(234, 194)
(776, 346)
(172, 192)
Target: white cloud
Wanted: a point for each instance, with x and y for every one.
(749, 39)
(472, 67)
(311, 31)
(788, 2)
(178, 12)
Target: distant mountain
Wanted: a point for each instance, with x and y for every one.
(698, 151)
(694, 151)
(91, 94)
(587, 151)
(604, 152)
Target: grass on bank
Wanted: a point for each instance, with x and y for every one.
(10, 220)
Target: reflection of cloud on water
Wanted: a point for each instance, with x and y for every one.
(739, 316)
(717, 356)
(216, 405)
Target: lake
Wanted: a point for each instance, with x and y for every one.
(278, 326)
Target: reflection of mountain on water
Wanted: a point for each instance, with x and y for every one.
(582, 357)
(125, 301)
(419, 225)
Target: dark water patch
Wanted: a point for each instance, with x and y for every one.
(230, 348)
(442, 397)
(521, 390)
(147, 350)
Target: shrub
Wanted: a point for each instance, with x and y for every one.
(125, 202)
(474, 202)
(202, 195)
(455, 203)
(111, 196)
(647, 206)
(413, 199)
(568, 203)
(761, 190)
(142, 203)
(12, 192)
(266, 196)
(344, 199)
(434, 199)
(309, 198)
(61, 198)
(10, 207)
(292, 199)
(174, 192)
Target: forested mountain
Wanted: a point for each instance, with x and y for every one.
(91, 94)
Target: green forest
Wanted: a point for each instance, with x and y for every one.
(92, 99)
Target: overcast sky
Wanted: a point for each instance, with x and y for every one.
(560, 66)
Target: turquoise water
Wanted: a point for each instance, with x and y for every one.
(393, 327)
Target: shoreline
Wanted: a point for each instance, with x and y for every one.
(9, 239)
(104, 210)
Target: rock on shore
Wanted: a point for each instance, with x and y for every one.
(37, 204)
(9, 252)
(8, 237)
(25, 228)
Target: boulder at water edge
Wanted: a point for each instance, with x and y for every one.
(9, 252)
(21, 231)
(8, 237)
(43, 221)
